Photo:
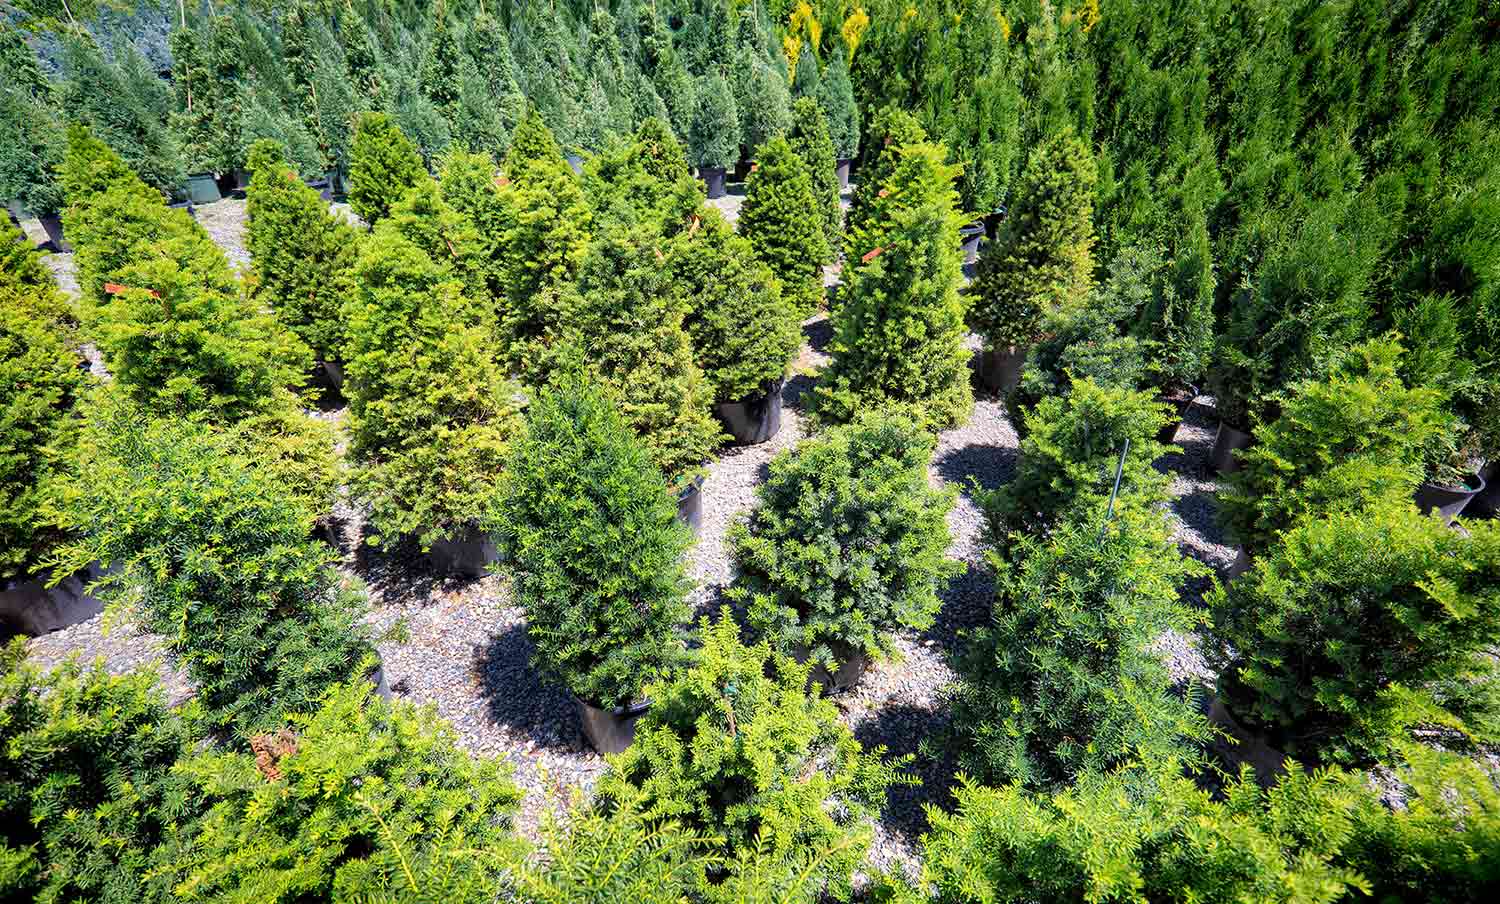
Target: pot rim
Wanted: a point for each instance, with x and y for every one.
(1461, 490)
(633, 709)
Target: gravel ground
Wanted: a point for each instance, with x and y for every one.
(466, 651)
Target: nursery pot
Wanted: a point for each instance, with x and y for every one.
(690, 504)
(576, 162)
(1000, 368)
(33, 608)
(1268, 762)
(376, 677)
(1239, 566)
(842, 168)
(52, 225)
(1486, 503)
(202, 188)
(971, 234)
(610, 730)
(334, 370)
(853, 662)
(713, 178)
(1449, 501)
(467, 554)
(755, 419)
(1226, 442)
(338, 185)
(1181, 399)
(17, 212)
(742, 170)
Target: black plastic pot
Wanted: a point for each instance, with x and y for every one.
(1486, 503)
(202, 188)
(1181, 399)
(690, 504)
(32, 608)
(468, 554)
(853, 663)
(52, 225)
(1248, 747)
(610, 730)
(1241, 564)
(971, 234)
(1226, 442)
(576, 162)
(713, 180)
(742, 170)
(338, 185)
(334, 370)
(753, 420)
(992, 223)
(376, 677)
(1448, 502)
(842, 168)
(1000, 368)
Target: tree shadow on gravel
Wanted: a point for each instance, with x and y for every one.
(818, 334)
(967, 602)
(903, 728)
(517, 697)
(989, 465)
(791, 395)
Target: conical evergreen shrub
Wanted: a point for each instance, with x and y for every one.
(809, 138)
(385, 164)
(836, 96)
(1042, 261)
(298, 252)
(899, 325)
(895, 129)
(626, 316)
(743, 330)
(775, 218)
(762, 100)
(714, 137)
(126, 112)
(594, 546)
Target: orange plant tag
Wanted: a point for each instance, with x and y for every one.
(872, 254)
(111, 288)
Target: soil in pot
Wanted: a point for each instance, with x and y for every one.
(1000, 368)
(1449, 501)
(468, 554)
(32, 608)
(753, 420)
(1486, 503)
(690, 503)
(842, 168)
(610, 730)
(853, 663)
(970, 235)
(1226, 442)
(202, 188)
(1181, 399)
(713, 180)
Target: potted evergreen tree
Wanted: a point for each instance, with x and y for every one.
(809, 138)
(898, 327)
(836, 97)
(595, 555)
(1041, 262)
(743, 331)
(385, 164)
(775, 218)
(193, 118)
(897, 128)
(31, 156)
(713, 139)
(847, 546)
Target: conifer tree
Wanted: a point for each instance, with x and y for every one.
(806, 82)
(102, 96)
(809, 138)
(30, 156)
(714, 136)
(762, 100)
(662, 64)
(488, 46)
(385, 165)
(627, 317)
(836, 96)
(894, 129)
(440, 62)
(1042, 261)
(298, 252)
(775, 218)
(193, 85)
(898, 329)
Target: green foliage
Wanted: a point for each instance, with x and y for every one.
(1042, 261)
(1066, 680)
(836, 97)
(298, 252)
(809, 138)
(431, 411)
(642, 178)
(32, 152)
(806, 82)
(105, 96)
(1068, 458)
(40, 382)
(895, 129)
(848, 544)
(762, 100)
(775, 218)
(179, 334)
(735, 747)
(193, 118)
(1339, 444)
(488, 47)
(594, 545)
(1360, 624)
(352, 799)
(216, 556)
(320, 87)
(714, 134)
(743, 331)
(627, 318)
(1108, 840)
(898, 330)
(385, 165)
(87, 787)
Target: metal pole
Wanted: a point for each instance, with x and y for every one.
(1119, 469)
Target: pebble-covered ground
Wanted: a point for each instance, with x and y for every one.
(466, 650)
